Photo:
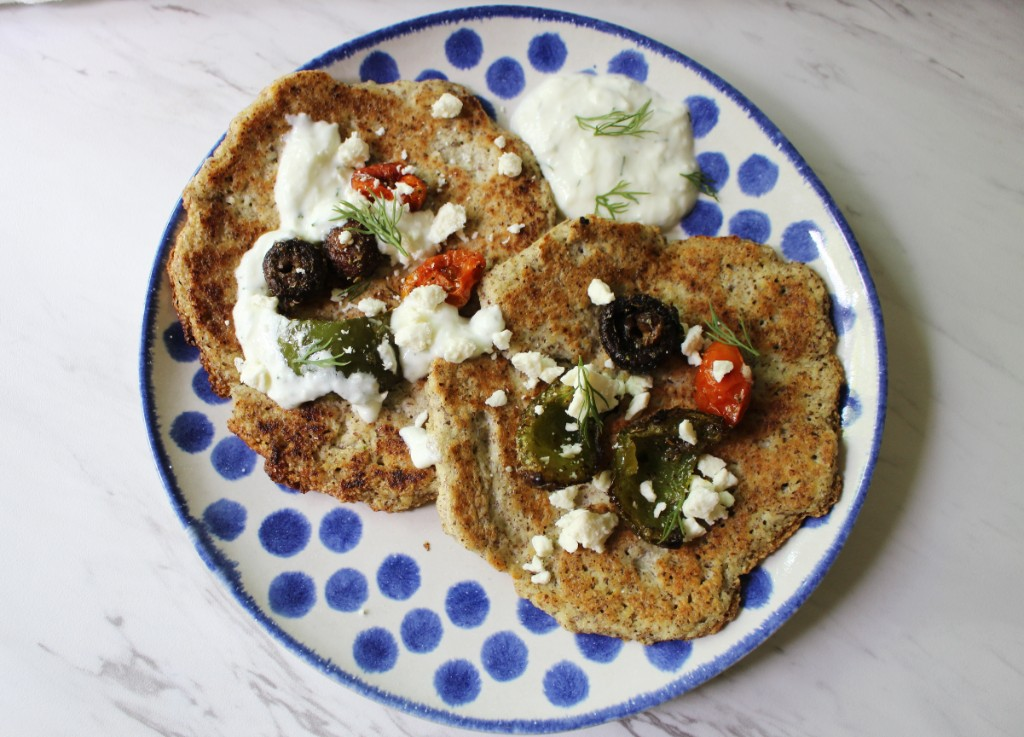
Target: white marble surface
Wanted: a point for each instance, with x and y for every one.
(912, 114)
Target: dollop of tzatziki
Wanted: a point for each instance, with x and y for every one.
(314, 174)
(611, 146)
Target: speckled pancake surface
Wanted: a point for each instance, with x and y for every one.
(785, 452)
(322, 445)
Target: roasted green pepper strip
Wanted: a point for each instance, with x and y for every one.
(350, 346)
(651, 450)
(547, 450)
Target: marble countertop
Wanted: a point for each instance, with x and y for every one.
(911, 113)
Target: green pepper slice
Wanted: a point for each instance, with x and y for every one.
(651, 450)
(351, 346)
(543, 438)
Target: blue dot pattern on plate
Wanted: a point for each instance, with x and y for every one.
(225, 519)
(505, 78)
(753, 225)
(464, 49)
(375, 650)
(430, 74)
(201, 386)
(398, 577)
(378, 67)
(599, 648)
(704, 219)
(192, 432)
(421, 630)
(851, 407)
(457, 682)
(341, 530)
(757, 175)
(547, 52)
(669, 655)
(233, 459)
(285, 532)
(536, 620)
(346, 590)
(813, 522)
(800, 241)
(292, 594)
(466, 604)
(703, 114)
(843, 316)
(756, 588)
(287, 489)
(565, 684)
(488, 107)
(504, 656)
(631, 63)
(177, 347)
(715, 167)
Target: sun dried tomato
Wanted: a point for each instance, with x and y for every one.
(379, 180)
(730, 397)
(456, 272)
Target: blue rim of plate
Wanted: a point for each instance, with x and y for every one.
(226, 569)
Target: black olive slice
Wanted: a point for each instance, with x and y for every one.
(295, 270)
(353, 254)
(639, 331)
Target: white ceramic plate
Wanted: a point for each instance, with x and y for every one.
(389, 606)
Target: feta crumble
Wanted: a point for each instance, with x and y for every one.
(721, 369)
(500, 141)
(510, 164)
(581, 527)
(371, 306)
(692, 345)
(497, 399)
(687, 432)
(536, 367)
(446, 106)
(600, 293)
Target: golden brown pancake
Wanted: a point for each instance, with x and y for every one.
(785, 452)
(322, 445)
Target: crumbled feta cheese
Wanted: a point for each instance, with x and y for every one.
(570, 450)
(537, 367)
(388, 359)
(497, 399)
(688, 432)
(691, 529)
(724, 479)
(647, 491)
(370, 306)
(581, 527)
(446, 106)
(422, 449)
(381, 131)
(719, 369)
(600, 293)
(564, 498)
(658, 509)
(450, 218)
(500, 141)
(536, 565)
(572, 426)
(458, 350)
(516, 228)
(603, 481)
(606, 391)
(542, 578)
(637, 405)
(709, 465)
(405, 155)
(417, 337)
(542, 545)
(510, 164)
(538, 410)
(421, 419)
(635, 385)
(692, 344)
(353, 152)
(501, 340)
(747, 373)
(702, 501)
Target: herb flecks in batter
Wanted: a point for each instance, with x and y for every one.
(618, 122)
(704, 184)
(377, 217)
(616, 200)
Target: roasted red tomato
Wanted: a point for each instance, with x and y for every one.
(730, 397)
(378, 180)
(456, 272)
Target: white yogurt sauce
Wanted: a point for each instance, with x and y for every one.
(581, 166)
(314, 174)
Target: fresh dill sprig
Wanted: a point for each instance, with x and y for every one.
(613, 206)
(352, 290)
(704, 184)
(618, 122)
(722, 333)
(330, 361)
(591, 412)
(675, 520)
(377, 217)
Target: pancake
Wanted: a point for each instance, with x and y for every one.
(784, 453)
(322, 445)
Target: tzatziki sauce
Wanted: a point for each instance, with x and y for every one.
(631, 175)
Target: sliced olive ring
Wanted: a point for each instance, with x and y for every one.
(639, 331)
(652, 450)
(295, 270)
(353, 253)
(549, 451)
(350, 346)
